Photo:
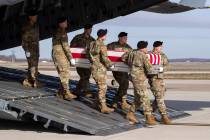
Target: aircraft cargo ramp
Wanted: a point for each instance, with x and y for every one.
(42, 106)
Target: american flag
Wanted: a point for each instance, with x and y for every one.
(155, 59)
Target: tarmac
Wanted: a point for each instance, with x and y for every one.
(191, 96)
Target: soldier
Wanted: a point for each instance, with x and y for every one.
(83, 41)
(30, 44)
(121, 77)
(62, 58)
(157, 83)
(140, 66)
(99, 63)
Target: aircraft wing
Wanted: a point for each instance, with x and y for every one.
(170, 7)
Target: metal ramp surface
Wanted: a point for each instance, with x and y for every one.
(41, 105)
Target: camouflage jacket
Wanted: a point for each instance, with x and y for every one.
(97, 54)
(81, 41)
(138, 61)
(119, 47)
(30, 34)
(60, 42)
(164, 60)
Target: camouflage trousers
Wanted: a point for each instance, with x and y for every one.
(63, 68)
(141, 97)
(122, 79)
(32, 69)
(83, 83)
(100, 77)
(158, 89)
(33, 61)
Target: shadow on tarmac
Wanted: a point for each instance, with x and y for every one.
(188, 105)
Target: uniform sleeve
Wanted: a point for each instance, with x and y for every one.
(88, 42)
(128, 57)
(104, 56)
(25, 38)
(165, 62)
(67, 51)
(124, 57)
(88, 53)
(64, 42)
(23, 32)
(147, 65)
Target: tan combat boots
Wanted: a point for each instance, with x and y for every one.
(150, 119)
(166, 120)
(132, 118)
(65, 94)
(124, 104)
(105, 109)
(26, 83)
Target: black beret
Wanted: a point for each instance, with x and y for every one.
(122, 34)
(157, 43)
(32, 12)
(142, 44)
(88, 26)
(61, 19)
(101, 32)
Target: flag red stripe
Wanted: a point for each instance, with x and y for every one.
(158, 59)
(112, 58)
(150, 59)
(155, 58)
(115, 59)
(78, 55)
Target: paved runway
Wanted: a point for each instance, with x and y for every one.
(192, 96)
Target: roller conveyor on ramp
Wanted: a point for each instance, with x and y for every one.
(41, 105)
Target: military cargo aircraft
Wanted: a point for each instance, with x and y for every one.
(79, 12)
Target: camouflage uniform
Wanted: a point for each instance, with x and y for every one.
(61, 56)
(140, 65)
(99, 64)
(120, 77)
(82, 41)
(157, 85)
(30, 44)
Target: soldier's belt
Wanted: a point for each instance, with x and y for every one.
(155, 70)
(157, 76)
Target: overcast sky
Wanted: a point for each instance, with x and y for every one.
(185, 35)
